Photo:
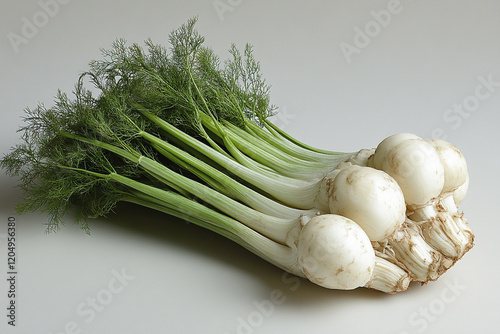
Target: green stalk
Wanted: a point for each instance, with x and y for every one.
(129, 155)
(235, 151)
(278, 159)
(272, 138)
(224, 183)
(273, 159)
(274, 227)
(176, 205)
(206, 135)
(292, 192)
(269, 125)
(210, 181)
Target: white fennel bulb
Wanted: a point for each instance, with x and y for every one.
(414, 164)
(334, 252)
(371, 198)
(454, 164)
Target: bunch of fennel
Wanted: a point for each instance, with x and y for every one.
(180, 131)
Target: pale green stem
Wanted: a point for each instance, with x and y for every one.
(223, 183)
(292, 192)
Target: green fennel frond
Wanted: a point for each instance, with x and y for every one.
(63, 167)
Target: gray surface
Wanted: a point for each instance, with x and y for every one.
(427, 58)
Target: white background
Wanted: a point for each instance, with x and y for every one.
(406, 76)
